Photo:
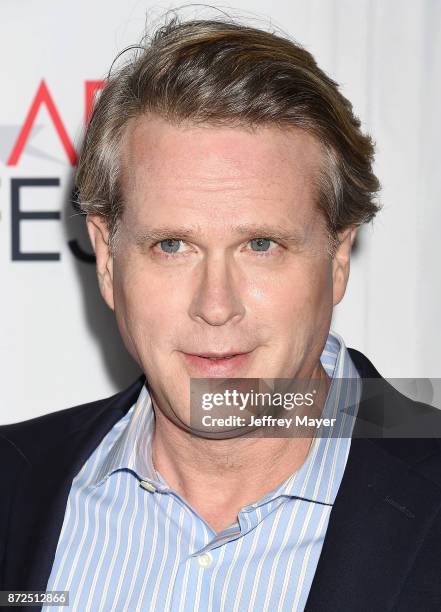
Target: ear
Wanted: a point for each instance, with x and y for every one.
(341, 263)
(99, 237)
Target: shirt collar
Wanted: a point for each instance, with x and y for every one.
(132, 447)
(318, 479)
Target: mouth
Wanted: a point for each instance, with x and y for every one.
(212, 364)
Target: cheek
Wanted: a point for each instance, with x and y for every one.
(301, 293)
(147, 306)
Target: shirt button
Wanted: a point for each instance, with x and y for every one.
(146, 485)
(205, 560)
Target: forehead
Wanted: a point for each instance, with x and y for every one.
(218, 171)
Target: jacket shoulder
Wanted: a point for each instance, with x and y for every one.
(19, 441)
(417, 443)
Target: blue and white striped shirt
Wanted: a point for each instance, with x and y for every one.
(129, 542)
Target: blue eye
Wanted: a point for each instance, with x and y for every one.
(261, 244)
(170, 245)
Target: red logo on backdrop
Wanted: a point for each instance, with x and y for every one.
(44, 97)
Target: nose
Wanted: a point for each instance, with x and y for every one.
(217, 298)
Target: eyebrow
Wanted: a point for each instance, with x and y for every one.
(158, 234)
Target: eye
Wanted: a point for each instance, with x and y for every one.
(171, 248)
(170, 245)
(261, 244)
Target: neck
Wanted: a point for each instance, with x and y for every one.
(218, 477)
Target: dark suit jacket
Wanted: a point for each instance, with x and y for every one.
(382, 549)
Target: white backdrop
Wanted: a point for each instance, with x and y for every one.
(58, 343)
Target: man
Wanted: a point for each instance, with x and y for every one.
(224, 177)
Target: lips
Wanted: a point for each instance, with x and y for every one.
(218, 355)
(212, 364)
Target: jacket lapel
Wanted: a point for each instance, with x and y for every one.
(381, 515)
(43, 488)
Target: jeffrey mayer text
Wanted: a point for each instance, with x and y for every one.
(266, 421)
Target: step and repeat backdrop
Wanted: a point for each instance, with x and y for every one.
(59, 345)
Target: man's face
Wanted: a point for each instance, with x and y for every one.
(220, 251)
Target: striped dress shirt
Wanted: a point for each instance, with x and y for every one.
(129, 542)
